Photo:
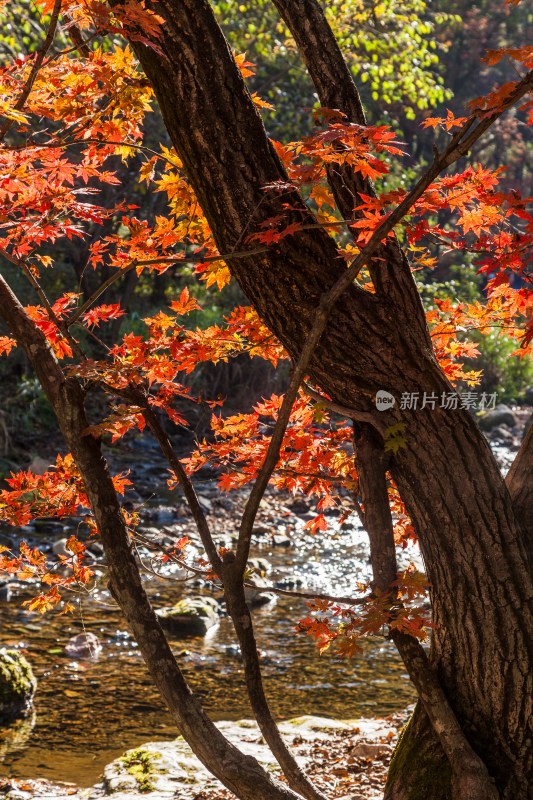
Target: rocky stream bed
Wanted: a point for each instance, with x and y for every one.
(92, 706)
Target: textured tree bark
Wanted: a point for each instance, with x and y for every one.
(239, 773)
(232, 578)
(470, 779)
(473, 546)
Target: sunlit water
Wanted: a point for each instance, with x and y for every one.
(87, 713)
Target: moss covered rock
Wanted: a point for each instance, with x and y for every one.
(17, 685)
(192, 616)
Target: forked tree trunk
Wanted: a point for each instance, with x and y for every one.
(472, 540)
(242, 774)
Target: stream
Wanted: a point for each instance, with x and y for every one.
(88, 712)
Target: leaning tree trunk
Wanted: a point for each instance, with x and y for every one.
(471, 538)
(242, 774)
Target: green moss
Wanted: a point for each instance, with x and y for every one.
(17, 684)
(185, 609)
(423, 769)
(140, 764)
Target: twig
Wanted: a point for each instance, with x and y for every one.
(40, 56)
(186, 484)
(344, 411)
(178, 259)
(458, 146)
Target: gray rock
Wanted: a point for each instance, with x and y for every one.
(59, 548)
(281, 541)
(502, 434)
(205, 504)
(501, 415)
(255, 597)
(170, 770)
(261, 566)
(47, 525)
(84, 646)
(299, 506)
(192, 616)
(17, 685)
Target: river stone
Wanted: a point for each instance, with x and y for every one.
(256, 598)
(59, 548)
(84, 645)
(262, 566)
(501, 415)
(17, 685)
(170, 770)
(192, 616)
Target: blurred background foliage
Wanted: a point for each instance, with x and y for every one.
(407, 59)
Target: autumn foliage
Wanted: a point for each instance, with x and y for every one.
(69, 115)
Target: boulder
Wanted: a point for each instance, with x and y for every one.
(281, 541)
(501, 415)
(528, 396)
(192, 616)
(17, 685)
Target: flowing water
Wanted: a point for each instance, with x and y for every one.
(88, 712)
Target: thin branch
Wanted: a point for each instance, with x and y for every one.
(341, 600)
(186, 484)
(344, 411)
(37, 64)
(458, 147)
(178, 259)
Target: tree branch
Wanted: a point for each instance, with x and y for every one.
(242, 775)
(519, 482)
(471, 780)
(240, 615)
(37, 64)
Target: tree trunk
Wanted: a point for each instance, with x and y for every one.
(473, 546)
(242, 774)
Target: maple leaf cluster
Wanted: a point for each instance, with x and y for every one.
(59, 148)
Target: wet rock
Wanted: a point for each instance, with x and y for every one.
(261, 530)
(501, 415)
(279, 540)
(205, 504)
(255, 597)
(59, 548)
(47, 526)
(95, 549)
(165, 514)
(290, 582)
(85, 646)
(261, 566)
(299, 506)
(17, 685)
(501, 434)
(192, 616)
